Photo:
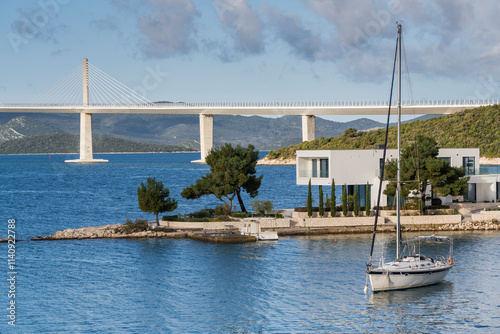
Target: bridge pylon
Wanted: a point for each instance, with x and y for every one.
(86, 147)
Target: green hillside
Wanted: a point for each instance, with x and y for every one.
(472, 128)
(66, 143)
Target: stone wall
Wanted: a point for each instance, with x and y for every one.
(426, 220)
(337, 221)
(486, 215)
(265, 223)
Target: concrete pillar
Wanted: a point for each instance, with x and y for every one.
(206, 135)
(86, 152)
(308, 127)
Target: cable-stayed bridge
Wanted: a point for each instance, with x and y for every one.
(86, 90)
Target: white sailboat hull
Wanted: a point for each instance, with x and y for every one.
(385, 278)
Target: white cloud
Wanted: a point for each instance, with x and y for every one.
(244, 24)
(302, 40)
(169, 28)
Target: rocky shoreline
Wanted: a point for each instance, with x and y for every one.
(279, 161)
(108, 232)
(116, 232)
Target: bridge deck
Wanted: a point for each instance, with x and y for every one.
(247, 109)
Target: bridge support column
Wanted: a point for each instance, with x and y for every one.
(206, 136)
(86, 150)
(308, 127)
(86, 153)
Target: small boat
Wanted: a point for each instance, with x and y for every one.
(411, 269)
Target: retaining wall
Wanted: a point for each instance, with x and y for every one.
(265, 223)
(485, 215)
(426, 220)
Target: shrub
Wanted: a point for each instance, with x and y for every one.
(203, 213)
(222, 210)
(436, 201)
(262, 206)
(172, 218)
(131, 227)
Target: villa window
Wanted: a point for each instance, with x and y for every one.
(323, 168)
(447, 159)
(469, 165)
(314, 167)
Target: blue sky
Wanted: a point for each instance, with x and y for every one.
(253, 50)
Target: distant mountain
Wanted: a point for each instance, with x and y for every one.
(472, 128)
(263, 132)
(23, 126)
(66, 143)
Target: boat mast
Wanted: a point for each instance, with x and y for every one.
(398, 190)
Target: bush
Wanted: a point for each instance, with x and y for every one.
(436, 201)
(131, 227)
(222, 210)
(172, 218)
(261, 206)
(203, 213)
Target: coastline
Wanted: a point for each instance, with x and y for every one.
(281, 161)
(100, 153)
(266, 161)
(220, 232)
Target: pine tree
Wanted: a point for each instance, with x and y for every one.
(232, 170)
(309, 201)
(333, 200)
(344, 200)
(368, 200)
(321, 209)
(154, 198)
(356, 201)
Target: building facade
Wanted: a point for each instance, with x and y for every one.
(362, 167)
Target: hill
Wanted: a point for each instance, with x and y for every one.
(472, 128)
(66, 143)
(23, 126)
(264, 133)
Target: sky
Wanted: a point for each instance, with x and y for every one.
(254, 50)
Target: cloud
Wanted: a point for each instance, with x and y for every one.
(108, 23)
(244, 24)
(303, 42)
(60, 52)
(38, 24)
(169, 28)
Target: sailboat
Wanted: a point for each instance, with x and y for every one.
(411, 268)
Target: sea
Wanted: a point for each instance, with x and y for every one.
(304, 284)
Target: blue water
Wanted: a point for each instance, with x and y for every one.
(299, 284)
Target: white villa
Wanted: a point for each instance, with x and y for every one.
(359, 167)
